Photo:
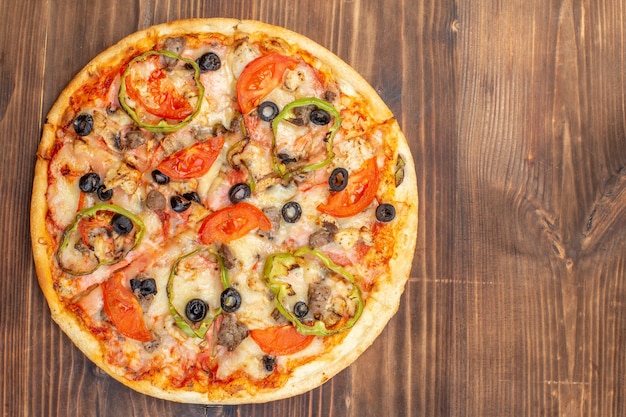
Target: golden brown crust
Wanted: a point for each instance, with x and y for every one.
(382, 303)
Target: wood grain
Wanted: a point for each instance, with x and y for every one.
(515, 114)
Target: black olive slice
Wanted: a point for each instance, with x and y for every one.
(179, 204)
(319, 117)
(230, 300)
(239, 192)
(143, 287)
(196, 310)
(89, 182)
(104, 194)
(83, 124)
(192, 196)
(209, 62)
(338, 180)
(291, 212)
(121, 224)
(269, 363)
(159, 177)
(385, 212)
(267, 111)
(300, 309)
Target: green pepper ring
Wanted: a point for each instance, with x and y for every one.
(279, 167)
(93, 210)
(180, 321)
(319, 328)
(162, 126)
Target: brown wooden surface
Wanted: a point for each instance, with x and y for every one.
(515, 113)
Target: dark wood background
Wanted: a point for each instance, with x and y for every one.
(515, 113)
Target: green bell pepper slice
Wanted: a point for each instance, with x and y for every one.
(279, 167)
(86, 259)
(179, 319)
(163, 126)
(280, 264)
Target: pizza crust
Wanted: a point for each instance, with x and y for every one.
(380, 307)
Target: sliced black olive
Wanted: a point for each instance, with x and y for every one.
(385, 212)
(239, 192)
(230, 300)
(144, 287)
(83, 124)
(338, 180)
(209, 62)
(121, 224)
(286, 158)
(291, 212)
(89, 182)
(319, 117)
(104, 194)
(269, 363)
(196, 310)
(267, 111)
(179, 204)
(300, 309)
(192, 196)
(159, 177)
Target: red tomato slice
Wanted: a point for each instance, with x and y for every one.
(161, 98)
(280, 340)
(358, 194)
(233, 222)
(260, 77)
(123, 309)
(194, 161)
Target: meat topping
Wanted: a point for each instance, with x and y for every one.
(231, 333)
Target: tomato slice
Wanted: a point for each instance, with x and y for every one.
(260, 77)
(358, 194)
(194, 161)
(280, 340)
(233, 222)
(160, 98)
(123, 309)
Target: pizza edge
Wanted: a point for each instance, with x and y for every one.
(377, 312)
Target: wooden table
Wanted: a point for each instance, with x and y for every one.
(515, 113)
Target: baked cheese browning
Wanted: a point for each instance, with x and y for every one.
(223, 208)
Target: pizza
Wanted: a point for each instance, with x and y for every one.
(223, 212)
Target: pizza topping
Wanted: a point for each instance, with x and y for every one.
(338, 179)
(231, 332)
(201, 326)
(267, 111)
(191, 162)
(323, 236)
(196, 310)
(239, 192)
(89, 182)
(209, 62)
(326, 317)
(260, 77)
(159, 177)
(143, 288)
(123, 309)
(269, 363)
(233, 222)
(83, 124)
(155, 200)
(94, 238)
(287, 114)
(319, 117)
(230, 300)
(385, 212)
(176, 46)
(104, 194)
(291, 212)
(179, 204)
(281, 340)
(357, 196)
(161, 99)
(399, 172)
(300, 309)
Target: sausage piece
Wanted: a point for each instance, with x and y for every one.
(231, 333)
